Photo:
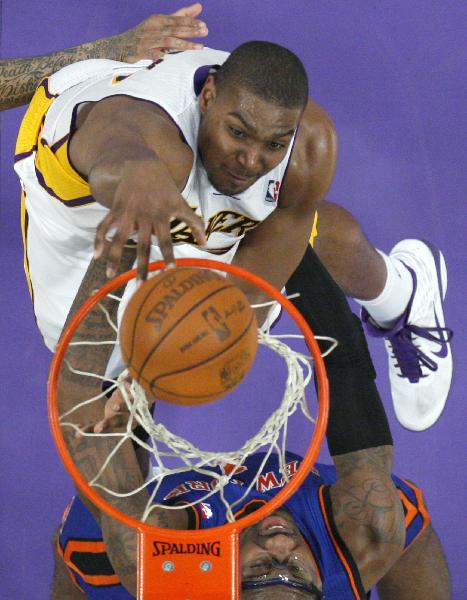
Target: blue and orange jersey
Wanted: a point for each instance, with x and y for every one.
(82, 547)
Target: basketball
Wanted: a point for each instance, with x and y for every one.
(188, 336)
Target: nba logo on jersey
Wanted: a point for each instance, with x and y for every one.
(273, 191)
(206, 510)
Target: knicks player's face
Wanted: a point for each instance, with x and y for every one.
(241, 137)
(275, 550)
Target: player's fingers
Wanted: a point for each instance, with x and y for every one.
(164, 241)
(143, 249)
(83, 429)
(176, 44)
(112, 424)
(115, 404)
(189, 11)
(99, 426)
(196, 225)
(101, 232)
(166, 22)
(114, 254)
(175, 30)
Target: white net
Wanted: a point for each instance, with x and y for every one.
(171, 454)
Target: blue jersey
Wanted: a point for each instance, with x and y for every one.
(82, 547)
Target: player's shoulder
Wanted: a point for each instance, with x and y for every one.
(171, 83)
(313, 159)
(316, 135)
(177, 78)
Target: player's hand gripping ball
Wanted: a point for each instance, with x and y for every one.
(188, 336)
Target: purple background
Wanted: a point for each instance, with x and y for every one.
(392, 75)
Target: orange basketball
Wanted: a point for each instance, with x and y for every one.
(188, 336)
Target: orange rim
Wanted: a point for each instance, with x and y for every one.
(229, 528)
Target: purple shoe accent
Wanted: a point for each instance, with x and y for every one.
(407, 355)
(437, 258)
(374, 331)
(443, 352)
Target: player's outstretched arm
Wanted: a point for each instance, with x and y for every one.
(20, 77)
(132, 156)
(123, 474)
(420, 573)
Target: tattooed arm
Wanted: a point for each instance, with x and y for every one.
(123, 474)
(368, 512)
(20, 77)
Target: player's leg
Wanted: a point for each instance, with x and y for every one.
(62, 586)
(402, 298)
(347, 254)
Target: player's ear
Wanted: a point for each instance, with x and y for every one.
(208, 94)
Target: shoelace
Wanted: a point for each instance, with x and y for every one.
(409, 357)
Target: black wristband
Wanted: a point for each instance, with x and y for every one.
(357, 418)
(327, 312)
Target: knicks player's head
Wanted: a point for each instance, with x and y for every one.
(276, 561)
(250, 110)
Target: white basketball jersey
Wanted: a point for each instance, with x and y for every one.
(60, 216)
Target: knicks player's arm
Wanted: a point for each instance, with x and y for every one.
(420, 573)
(368, 516)
(276, 246)
(123, 474)
(132, 155)
(20, 77)
(367, 511)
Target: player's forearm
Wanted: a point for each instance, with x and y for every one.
(95, 328)
(122, 476)
(367, 511)
(111, 146)
(273, 251)
(20, 77)
(90, 453)
(371, 460)
(122, 163)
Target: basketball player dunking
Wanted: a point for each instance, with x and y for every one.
(204, 151)
(347, 529)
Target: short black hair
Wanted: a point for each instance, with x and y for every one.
(268, 71)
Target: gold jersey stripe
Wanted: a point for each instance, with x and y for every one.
(314, 230)
(59, 177)
(53, 168)
(24, 234)
(32, 123)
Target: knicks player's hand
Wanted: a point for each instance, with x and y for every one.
(116, 414)
(161, 33)
(144, 202)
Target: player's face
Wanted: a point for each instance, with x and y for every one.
(274, 550)
(241, 137)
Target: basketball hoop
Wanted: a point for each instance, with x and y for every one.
(168, 563)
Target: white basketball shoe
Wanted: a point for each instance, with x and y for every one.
(418, 345)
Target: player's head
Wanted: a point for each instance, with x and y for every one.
(250, 110)
(277, 562)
